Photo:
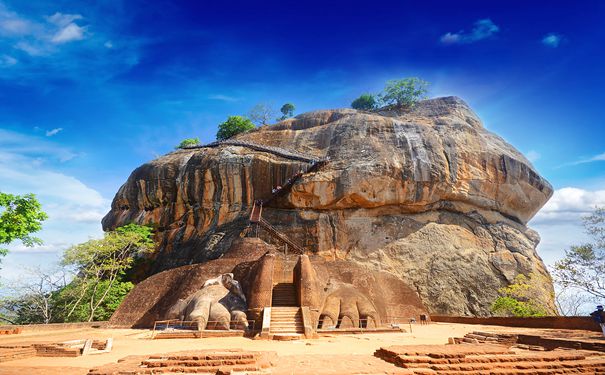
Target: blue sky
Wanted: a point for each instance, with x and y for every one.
(90, 90)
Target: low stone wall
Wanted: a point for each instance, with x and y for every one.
(559, 322)
(55, 326)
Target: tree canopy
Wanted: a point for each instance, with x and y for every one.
(188, 142)
(20, 216)
(261, 114)
(287, 110)
(526, 297)
(404, 92)
(101, 264)
(366, 102)
(234, 125)
(583, 266)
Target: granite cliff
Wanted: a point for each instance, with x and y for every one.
(428, 195)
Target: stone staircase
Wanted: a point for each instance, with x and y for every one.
(284, 294)
(286, 323)
(486, 359)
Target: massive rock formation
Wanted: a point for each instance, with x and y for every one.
(428, 195)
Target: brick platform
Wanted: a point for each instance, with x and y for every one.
(204, 361)
(10, 353)
(484, 359)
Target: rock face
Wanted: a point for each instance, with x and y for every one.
(428, 195)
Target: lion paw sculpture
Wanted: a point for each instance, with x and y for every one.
(345, 305)
(219, 302)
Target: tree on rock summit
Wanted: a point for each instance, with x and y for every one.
(287, 110)
(234, 125)
(366, 102)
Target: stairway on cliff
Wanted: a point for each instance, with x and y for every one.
(286, 322)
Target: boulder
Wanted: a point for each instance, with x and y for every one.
(428, 195)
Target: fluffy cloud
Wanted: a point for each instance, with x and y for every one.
(482, 29)
(55, 131)
(6, 61)
(552, 40)
(223, 98)
(559, 222)
(39, 37)
(569, 204)
(27, 165)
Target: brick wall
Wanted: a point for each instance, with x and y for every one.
(560, 322)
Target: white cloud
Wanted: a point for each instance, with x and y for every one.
(482, 29)
(63, 20)
(6, 61)
(533, 155)
(55, 131)
(559, 222)
(108, 44)
(599, 157)
(69, 33)
(12, 24)
(224, 98)
(569, 204)
(552, 40)
(74, 209)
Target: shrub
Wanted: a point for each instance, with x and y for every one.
(188, 143)
(234, 125)
(404, 92)
(365, 102)
(287, 110)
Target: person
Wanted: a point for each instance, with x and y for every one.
(599, 317)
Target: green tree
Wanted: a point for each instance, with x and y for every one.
(261, 114)
(234, 125)
(104, 261)
(527, 296)
(20, 216)
(404, 92)
(583, 267)
(110, 296)
(188, 142)
(287, 111)
(366, 102)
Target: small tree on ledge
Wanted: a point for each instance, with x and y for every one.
(188, 143)
(234, 125)
(404, 92)
(366, 102)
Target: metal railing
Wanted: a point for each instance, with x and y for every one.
(369, 324)
(177, 325)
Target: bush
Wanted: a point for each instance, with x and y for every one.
(527, 296)
(509, 306)
(188, 143)
(365, 102)
(404, 92)
(112, 298)
(234, 125)
(287, 110)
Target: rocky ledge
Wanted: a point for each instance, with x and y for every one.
(427, 194)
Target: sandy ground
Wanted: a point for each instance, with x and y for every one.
(325, 349)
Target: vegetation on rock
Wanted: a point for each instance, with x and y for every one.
(188, 142)
(526, 297)
(261, 114)
(287, 110)
(366, 102)
(102, 263)
(20, 216)
(234, 125)
(583, 267)
(404, 92)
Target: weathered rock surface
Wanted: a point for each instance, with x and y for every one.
(428, 195)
